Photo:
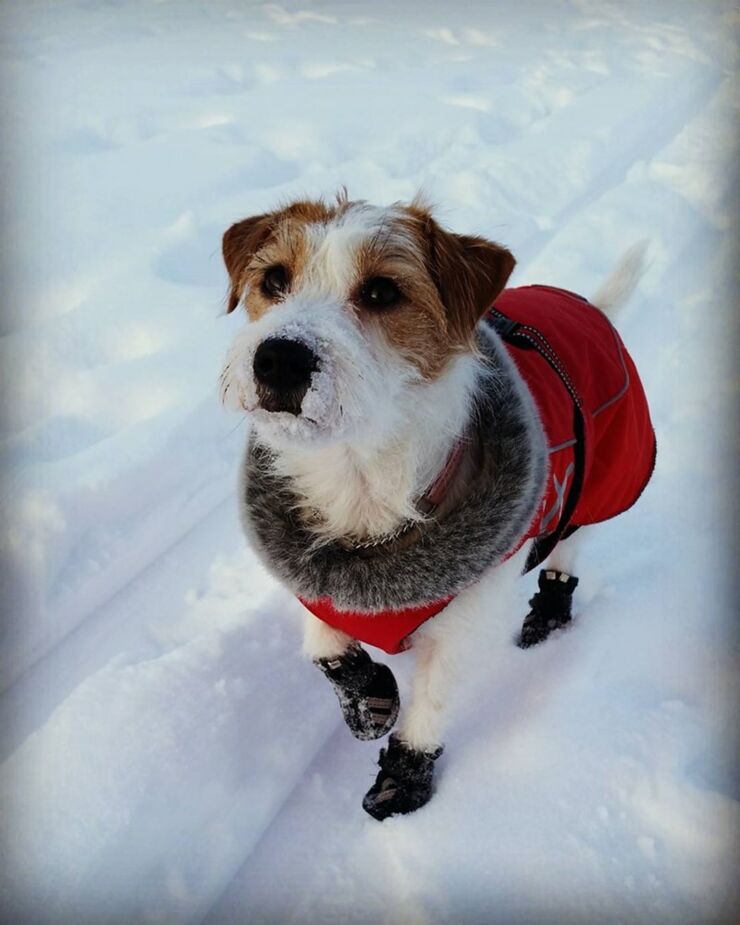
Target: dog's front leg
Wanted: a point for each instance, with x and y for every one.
(443, 647)
(367, 691)
(404, 782)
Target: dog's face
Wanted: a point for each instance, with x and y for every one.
(352, 311)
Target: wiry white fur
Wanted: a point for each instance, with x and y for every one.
(616, 289)
(368, 485)
(331, 266)
(323, 641)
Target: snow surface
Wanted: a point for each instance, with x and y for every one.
(168, 757)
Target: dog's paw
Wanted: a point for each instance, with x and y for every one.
(404, 782)
(551, 607)
(367, 693)
(534, 632)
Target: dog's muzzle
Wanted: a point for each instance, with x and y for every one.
(282, 370)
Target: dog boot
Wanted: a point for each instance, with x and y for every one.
(550, 607)
(404, 782)
(367, 692)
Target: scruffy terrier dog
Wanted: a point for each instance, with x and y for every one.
(420, 436)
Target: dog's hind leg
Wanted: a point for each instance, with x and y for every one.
(551, 605)
(565, 556)
(367, 691)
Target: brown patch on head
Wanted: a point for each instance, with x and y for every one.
(468, 271)
(273, 239)
(447, 280)
(240, 243)
(310, 210)
(417, 325)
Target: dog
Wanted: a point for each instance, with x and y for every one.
(420, 436)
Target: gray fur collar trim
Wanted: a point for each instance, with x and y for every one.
(451, 553)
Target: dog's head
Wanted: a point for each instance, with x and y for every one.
(352, 311)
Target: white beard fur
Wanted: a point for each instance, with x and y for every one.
(367, 487)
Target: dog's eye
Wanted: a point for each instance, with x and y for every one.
(275, 281)
(380, 292)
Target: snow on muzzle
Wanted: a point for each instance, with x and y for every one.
(305, 370)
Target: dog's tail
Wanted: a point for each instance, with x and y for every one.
(619, 286)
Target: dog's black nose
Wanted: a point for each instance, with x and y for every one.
(284, 365)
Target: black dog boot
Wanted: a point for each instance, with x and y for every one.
(404, 782)
(550, 607)
(367, 692)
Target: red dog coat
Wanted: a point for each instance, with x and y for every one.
(596, 420)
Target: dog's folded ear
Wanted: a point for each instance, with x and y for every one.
(469, 272)
(239, 245)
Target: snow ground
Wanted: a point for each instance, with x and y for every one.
(168, 757)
